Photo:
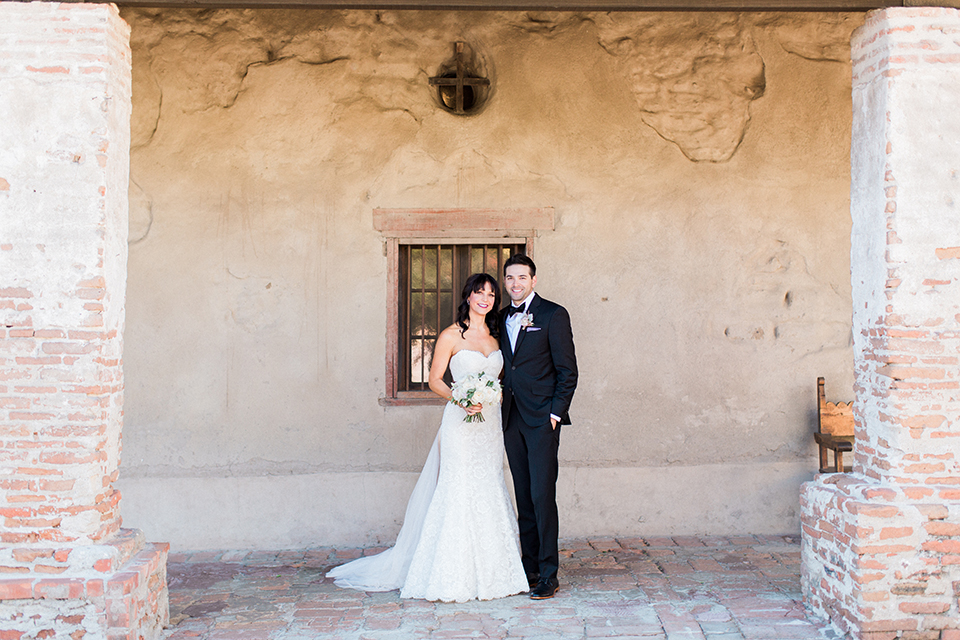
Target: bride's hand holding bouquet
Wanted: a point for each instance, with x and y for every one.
(474, 391)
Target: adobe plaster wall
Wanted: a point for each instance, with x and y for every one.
(699, 168)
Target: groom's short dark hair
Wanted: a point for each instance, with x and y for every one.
(519, 258)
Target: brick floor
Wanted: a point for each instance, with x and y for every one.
(680, 588)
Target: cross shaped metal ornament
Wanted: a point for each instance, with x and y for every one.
(461, 80)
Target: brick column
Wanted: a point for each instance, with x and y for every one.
(66, 567)
(881, 546)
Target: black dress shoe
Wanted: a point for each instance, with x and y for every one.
(544, 589)
(533, 579)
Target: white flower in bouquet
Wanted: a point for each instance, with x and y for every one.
(476, 389)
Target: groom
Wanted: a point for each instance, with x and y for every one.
(540, 376)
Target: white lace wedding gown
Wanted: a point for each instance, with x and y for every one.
(459, 538)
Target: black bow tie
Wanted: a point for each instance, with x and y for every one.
(512, 310)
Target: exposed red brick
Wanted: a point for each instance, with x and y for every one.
(924, 468)
(942, 529)
(49, 333)
(16, 512)
(868, 578)
(95, 588)
(73, 348)
(15, 292)
(57, 485)
(924, 607)
(57, 69)
(874, 511)
(933, 511)
(59, 588)
(16, 589)
(30, 555)
(888, 625)
(923, 421)
(942, 546)
(54, 457)
(49, 569)
(25, 389)
(97, 282)
(38, 361)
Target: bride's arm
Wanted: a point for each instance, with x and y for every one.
(441, 358)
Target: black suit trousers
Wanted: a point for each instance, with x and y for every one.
(532, 454)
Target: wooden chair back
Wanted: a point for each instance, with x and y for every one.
(835, 418)
(834, 431)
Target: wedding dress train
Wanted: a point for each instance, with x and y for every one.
(459, 538)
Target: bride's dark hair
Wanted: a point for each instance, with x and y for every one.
(474, 284)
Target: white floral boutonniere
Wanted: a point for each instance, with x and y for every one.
(526, 320)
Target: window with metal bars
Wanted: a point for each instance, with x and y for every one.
(430, 279)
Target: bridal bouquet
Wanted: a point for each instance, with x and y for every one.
(476, 389)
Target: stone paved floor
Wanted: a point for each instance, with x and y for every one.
(680, 588)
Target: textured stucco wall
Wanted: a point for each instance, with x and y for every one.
(699, 168)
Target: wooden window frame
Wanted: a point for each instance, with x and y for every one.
(442, 226)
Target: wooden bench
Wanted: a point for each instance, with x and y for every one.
(835, 431)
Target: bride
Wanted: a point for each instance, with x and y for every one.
(459, 539)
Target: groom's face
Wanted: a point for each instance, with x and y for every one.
(518, 282)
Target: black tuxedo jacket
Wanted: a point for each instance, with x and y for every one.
(540, 373)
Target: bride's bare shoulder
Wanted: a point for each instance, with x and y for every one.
(449, 337)
(453, 331)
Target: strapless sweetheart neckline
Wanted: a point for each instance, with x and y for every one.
(480, 352)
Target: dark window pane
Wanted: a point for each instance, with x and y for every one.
(430, 320)
(476, 259)
(491, 266)
(448, 311)
(416, 314)
(416, 268)
(446, 268)
(430, 268)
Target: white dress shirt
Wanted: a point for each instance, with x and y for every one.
(513, 322)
